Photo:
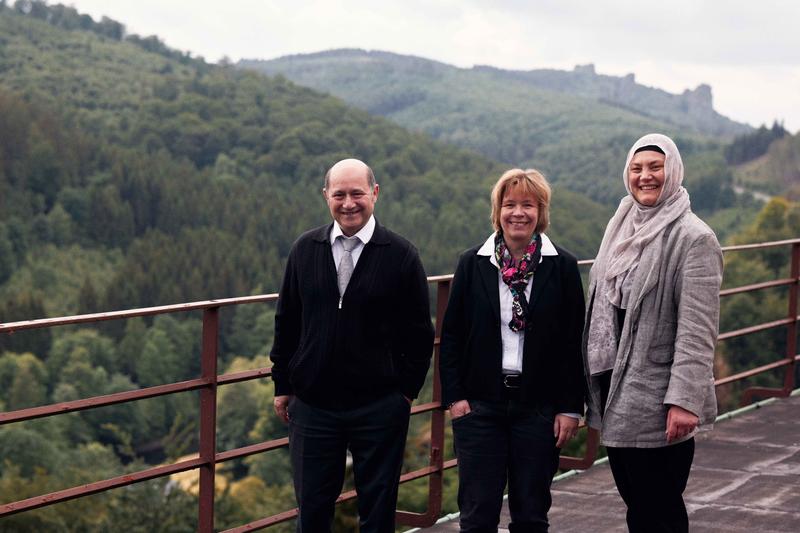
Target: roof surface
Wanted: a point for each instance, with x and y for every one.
(745, 477)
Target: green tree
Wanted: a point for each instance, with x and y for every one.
(25, 306)
(27, 451)
(82, 345)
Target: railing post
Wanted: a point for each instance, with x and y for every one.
(791, 329)
(437, 416)
(208, 419)
(436, 458)
(791, 340)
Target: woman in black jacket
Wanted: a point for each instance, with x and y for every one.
(511, 365)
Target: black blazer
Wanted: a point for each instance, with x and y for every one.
(471, 346)
(381, 338)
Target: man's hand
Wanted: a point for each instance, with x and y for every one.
(564, 428)
(459, 409)
(680, 423)
(281, 404)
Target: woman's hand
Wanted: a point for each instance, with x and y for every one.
(459, 409)
(680, 423)
(564, 428)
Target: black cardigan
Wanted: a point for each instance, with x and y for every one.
(380, 340)
(471, 349)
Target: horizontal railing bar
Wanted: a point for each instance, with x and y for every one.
(31, 413)
(755, 371)
(253, 449)
(757, 286)
(755, 329)
(246, 375)
(11, 327)
(283, 517)
(264, 522)
(98, 486)
(417, 474)
(734, 248)
(280, 443)
(425, 407)
(349, 495)
(760, 245)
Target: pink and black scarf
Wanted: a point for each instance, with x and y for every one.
(516, 275)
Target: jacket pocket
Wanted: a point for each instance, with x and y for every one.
(661, 354)
(662, 347)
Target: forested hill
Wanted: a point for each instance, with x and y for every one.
(776, 169)
(171, 179)
(575, 126)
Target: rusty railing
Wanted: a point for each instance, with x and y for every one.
(209, 380)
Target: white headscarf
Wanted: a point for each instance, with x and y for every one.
(632, 228)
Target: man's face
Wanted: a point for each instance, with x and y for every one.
(350, 198)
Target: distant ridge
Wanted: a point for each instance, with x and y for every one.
(574, 125)
(692, 109)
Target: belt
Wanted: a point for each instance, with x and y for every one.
(512, 381)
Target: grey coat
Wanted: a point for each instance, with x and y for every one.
(666, 348)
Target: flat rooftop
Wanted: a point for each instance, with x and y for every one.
(745, 477)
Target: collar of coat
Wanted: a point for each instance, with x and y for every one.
(488, 248)
(380, 236)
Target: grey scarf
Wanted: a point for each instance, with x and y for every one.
(632, 228)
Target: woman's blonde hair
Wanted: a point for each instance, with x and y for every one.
(532, 182)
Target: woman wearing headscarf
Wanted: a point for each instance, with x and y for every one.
(650, 335)
(511, 360)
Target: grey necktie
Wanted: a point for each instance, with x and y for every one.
(345, 270)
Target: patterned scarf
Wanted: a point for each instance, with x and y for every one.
(517, 274)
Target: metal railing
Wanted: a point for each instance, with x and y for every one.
(209, 380)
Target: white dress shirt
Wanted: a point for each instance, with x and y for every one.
(364, 235)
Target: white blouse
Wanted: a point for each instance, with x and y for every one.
(513, 341)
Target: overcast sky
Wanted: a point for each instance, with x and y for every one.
(747, 50)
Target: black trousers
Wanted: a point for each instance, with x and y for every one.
(504, 442)
(319, 439)
(651, 481)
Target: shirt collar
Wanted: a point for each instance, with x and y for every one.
(488, 248)
(364, 234)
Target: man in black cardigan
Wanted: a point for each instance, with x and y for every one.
(353, 342)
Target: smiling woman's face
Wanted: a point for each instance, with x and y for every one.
(646, 176)
(519, 216)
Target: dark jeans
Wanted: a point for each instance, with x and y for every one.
(319, 439)
(499, 442)
(651, 481)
